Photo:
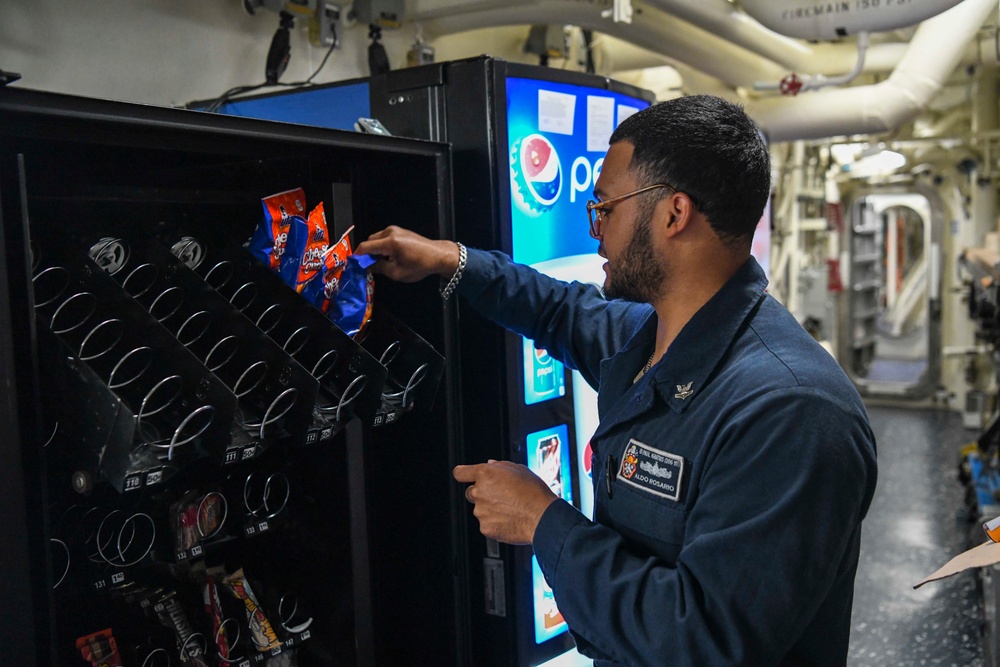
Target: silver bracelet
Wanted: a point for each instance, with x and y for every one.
(463, 257)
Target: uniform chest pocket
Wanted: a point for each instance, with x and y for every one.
(642, 516)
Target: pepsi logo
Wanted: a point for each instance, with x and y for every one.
(536, 174)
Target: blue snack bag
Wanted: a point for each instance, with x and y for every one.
(268, 241)
(352, 307)
(322, 289)
(305, 249)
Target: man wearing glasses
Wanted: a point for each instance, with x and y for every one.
(734, 461)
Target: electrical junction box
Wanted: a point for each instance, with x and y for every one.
(383, 13)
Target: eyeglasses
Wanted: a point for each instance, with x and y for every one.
(597, 213)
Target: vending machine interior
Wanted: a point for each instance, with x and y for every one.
(199, 466)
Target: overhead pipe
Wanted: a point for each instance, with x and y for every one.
(722, 18)
(792, 84)
(709, 35)
(943, 125)
(718, 18)
(937, 47)
(651, 29)
(825, 59)
(808, 19)
(617, 55)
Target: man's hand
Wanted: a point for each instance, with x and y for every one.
(408, 257)
(509, 499)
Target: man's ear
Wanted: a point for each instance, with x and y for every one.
(680, 210)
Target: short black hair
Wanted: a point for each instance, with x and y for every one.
(709, 149)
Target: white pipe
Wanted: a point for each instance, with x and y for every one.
(817, 81)
(723, 19)
(651, 29)
(943, 125)
(720, 17)
(725, 45)
(809, 19)
(936, 49)
(664, 82)
(698, 82)
(616, 55)
(617, 58)
(656, 39)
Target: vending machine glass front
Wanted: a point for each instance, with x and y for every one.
(557, 135)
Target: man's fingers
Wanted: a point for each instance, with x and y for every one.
(381, 234)
(375, 246)
(465, 473)
(468, 494)
(379, 243)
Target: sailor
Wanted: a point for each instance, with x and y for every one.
(734, 461)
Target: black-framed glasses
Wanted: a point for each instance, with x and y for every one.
(597, 213)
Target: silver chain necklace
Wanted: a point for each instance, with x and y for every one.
(645, 369)
(649, 363)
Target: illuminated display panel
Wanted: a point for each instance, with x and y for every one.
(557, 136)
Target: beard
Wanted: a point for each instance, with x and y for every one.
(637, 275)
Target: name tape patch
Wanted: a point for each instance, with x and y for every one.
(652, 470)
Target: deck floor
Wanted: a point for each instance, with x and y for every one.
(916, 523)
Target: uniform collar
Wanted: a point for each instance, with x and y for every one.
(693, 355)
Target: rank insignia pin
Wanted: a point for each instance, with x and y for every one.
(683, 391)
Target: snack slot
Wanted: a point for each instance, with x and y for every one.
(144, 404)
(381, 373)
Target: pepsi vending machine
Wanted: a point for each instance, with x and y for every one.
(527, 146)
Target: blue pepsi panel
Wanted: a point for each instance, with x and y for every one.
(336, 107)
(549, 621)
(548, 457)
(544, 377)
(558, 134)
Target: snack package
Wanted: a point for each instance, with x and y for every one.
(264, 637)
(324, 287)
(213, 608)
(184, 522)
(100, 649)
(268, 241)
(172, 615)
(352, 307)
(305, 249)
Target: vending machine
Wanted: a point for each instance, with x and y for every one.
(199, 466)
(527, 147)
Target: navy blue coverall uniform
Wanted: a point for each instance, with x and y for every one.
(730, 481)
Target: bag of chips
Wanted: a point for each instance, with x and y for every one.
(268, 241)
(330, 277)
(305, 249)
(323, 288)
(352, 307)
